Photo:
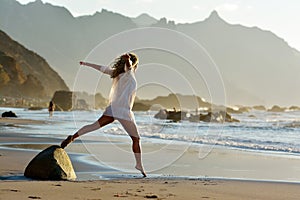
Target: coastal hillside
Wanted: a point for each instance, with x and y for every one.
(256, 65)
(24, 73)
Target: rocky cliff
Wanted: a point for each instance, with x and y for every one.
(24, 73)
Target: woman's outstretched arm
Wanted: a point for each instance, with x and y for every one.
(104, 69)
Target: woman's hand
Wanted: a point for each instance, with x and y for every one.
(81, 63)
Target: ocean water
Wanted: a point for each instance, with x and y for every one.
(257, 130)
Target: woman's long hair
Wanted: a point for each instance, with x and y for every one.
(119, 64)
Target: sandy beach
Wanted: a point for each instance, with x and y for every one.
(147, 189)
(17, 149)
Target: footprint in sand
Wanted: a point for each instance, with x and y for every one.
(152, 196)
(58, 185)
(11, 190)
(34, 197)
(96, 189)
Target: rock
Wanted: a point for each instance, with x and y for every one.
(244, 109)
(217, 117)
(140, 107)
(227, 117)
(277, 109)
(175, 116)
(194, 118)
(63, 100)
(81, 104)
(259, 107)
(9, 114)
(239, 110)
(234, 111)
(294, 108)
(151, 196)
(35, 108)
(52, 163)
(162, 114)
(206, 117)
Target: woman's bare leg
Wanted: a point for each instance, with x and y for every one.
(137, 154)
(131, 129)
(102, 121)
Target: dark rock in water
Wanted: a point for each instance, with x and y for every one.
(63, 100)
(162, 114)
(229, 118)
(35, 108)
(52, 163)
(235, 111)
(9, 114)
(217, 117)
(176, 115)
(209, 117)
(171, 115)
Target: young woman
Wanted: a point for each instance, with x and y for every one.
(121, 100)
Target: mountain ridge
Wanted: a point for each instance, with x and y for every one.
(251, 60)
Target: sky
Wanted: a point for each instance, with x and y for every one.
(282, 17)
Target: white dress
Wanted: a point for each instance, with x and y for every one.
(122, 93)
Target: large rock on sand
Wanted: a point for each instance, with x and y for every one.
(52, 163)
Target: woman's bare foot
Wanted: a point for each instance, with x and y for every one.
(140, 168)
(67, 141)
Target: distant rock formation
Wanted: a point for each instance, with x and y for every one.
(263, 108)
(294, 108)
(276, 109)
(85, 101)
(138, 106)
(177, 101)
(81, 104)
(63, 100)
(23, 73)
(52, 163)
(100, 101)
(238, 110)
